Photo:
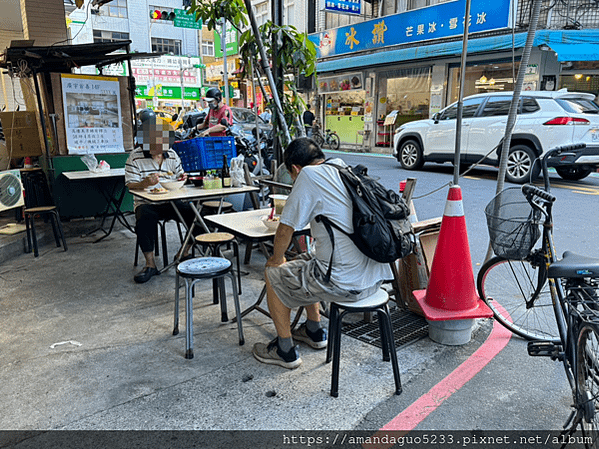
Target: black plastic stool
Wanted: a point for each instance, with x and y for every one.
(195, 270)
(373, 303)
(52, 213)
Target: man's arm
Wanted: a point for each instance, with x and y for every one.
(282, 241)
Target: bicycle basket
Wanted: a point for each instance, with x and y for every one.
(513, 224)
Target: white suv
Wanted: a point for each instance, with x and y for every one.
(545, 120)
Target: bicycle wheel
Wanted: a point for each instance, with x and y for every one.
(318, 138)
(505, 286)
(587, 381)
(333, 141)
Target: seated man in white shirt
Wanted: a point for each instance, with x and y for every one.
(317, 190)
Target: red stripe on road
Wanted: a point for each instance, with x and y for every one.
(426, 404)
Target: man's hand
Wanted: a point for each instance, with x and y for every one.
(151, 180)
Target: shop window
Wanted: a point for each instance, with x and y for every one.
(408, 92)
(481, 78)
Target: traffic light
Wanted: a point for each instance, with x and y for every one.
(162, 15)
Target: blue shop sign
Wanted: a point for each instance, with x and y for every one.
(434, 22)
(344, 6)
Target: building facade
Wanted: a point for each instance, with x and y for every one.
(405, 61)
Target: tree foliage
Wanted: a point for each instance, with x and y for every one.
(294, 52)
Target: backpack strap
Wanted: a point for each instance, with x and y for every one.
(329, 225)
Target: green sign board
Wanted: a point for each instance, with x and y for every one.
(184, 20)
(168, 92)
(232, 45)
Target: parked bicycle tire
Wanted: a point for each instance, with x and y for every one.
(318, 138)
(333, 141)
(505, 286)
(587, 369)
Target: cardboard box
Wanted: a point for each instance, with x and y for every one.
(22, 133)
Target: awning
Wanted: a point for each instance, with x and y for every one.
(576, 52)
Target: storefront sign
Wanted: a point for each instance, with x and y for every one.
(92, 110)
(232, 45)
(167, 92)
(342, 83)
(344, 6)
(434, 22)
(215, 71)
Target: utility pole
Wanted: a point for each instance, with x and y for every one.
(223, 41)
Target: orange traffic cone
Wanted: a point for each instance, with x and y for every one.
(451, 293)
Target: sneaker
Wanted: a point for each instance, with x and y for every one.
(273, 355)
(316, 340)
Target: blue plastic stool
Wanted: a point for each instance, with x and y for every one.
(192, 271)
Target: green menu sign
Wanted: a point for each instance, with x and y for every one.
(184, 20)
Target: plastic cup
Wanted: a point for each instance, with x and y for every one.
(279, 201)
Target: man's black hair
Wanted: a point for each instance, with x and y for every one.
(302, 151)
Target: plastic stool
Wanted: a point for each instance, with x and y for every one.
(192, 271)
(214, 241)
(373, 303)
(215, 207)
(30, 226)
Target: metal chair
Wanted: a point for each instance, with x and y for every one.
(52, 214)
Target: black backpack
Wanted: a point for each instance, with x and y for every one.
(382, 230)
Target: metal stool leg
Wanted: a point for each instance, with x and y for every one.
(53, 222)
(336, 357)
(237, 309)
(384, 334)
(223, 299)
(34, 237)
(188, 319)
(60, 230)
(391, 342)
(28, 228)
(177, 287)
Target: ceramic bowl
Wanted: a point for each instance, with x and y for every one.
(271, 225)
(172, 185)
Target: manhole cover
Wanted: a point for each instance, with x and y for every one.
(407, 327)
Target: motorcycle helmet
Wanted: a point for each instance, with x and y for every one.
(213, 97)
(146, 115)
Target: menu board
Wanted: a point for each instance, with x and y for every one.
(340, 83)
(92, 106)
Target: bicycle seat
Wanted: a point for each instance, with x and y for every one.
(574, 266)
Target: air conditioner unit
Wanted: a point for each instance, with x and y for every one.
(11, 190)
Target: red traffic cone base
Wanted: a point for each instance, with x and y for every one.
(451, 293)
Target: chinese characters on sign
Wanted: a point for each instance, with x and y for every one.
(92, 109)
(440, 21)
(344, 6)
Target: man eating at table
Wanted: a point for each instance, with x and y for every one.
(151, 161)
(317, 190)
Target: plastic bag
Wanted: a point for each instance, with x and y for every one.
(93, 165)
(237, 174)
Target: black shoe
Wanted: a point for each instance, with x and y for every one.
(145, 274)
(273, 355)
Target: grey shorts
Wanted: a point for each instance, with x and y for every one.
(300, 282)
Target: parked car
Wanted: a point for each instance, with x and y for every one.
(545, 120)
(245, 121)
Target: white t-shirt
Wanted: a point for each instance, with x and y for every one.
(318, 190)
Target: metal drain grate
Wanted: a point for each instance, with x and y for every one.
(407, 327)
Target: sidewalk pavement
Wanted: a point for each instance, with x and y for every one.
(84, 347)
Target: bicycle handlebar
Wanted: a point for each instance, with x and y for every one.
(529, 189)
(554, 152)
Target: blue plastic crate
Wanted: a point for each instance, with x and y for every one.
(205, 153)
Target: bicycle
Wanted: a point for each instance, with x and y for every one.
(328, 140)
(552, 303)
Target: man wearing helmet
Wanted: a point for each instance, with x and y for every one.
(212, 124)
